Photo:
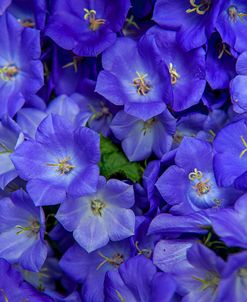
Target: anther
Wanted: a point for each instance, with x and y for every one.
(245, 144)
(97, 207)
(195, 175)
(174, 74)
(201, 8)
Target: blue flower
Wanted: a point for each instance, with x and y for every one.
(141, 138)
(22, 228)
(135, 76)
(61, 161)
(85, 27)
(98, 217)
(21, 71)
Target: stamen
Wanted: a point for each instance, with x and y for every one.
(234, 14)
(201, 8)
(97, 207)
(5, 149)
(120, 297)
(130, 22)
(64, 166)
(115, 261)
(140, 83)
(174, 74)
(146, 252)
(4, 295)
(94, 23)
(148, 124)
(224, 50)
(27, 23)
(212, 280)
(33, 228)
(245, 144)
(8, 72)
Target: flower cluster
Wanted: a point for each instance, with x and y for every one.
(123, 151)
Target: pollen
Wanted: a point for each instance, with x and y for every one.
(97, 207)
(201, 187)
(27, 23)
(234, 14)
(201, 8)
(245, 145)
(64, 166)
(90, 16)
(8, 72)
(174, 74)
(141, 84)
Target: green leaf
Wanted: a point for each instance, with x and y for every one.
(114, 163)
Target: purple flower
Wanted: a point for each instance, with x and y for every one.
(14, 289)
(22, 228)
(85, 27)
(199, 280)
(233, 285)
(97, 218)
(21, 72)
(230, 224)
(138, 280)
(135, 76)
(230, 160)
(90, 268)
(193, 20)
(220, 63)
(3, 5)
(187, 69)
(141, 138)
(29, 13)
(231, 24)
(171, 225)
(61, 161)
(238, 85)
(190, 184)
(10, 137)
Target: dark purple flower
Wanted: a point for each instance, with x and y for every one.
(233, 285)
(22, 228)
(187, 69)
(220, 63)
(230, 224)
(141, 138)
(137, 280)
(230, 160)
(90, 268)
(199, 280)
(21, 71)
(238, 85)
(97, 218)
(86, 27)
(14, 289)
(135, 76)
(61, 161)
(172, 225)
(231, 24)
(194, 20)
